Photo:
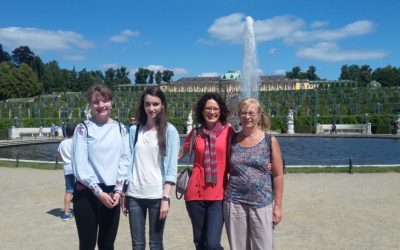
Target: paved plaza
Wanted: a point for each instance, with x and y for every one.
(321, 211)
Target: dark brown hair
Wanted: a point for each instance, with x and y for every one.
(223, 108)
(161, 119)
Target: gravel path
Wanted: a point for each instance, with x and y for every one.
(321, 211)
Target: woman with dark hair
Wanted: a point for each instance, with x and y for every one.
(205, 192)
(154, 145)
(100, 163)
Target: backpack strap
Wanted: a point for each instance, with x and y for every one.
(136, 134)
(87, 131)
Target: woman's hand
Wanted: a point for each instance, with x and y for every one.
(276, 215)
(124, 205)
(164, 209)
(106, 199)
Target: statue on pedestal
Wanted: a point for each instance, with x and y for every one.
(189, 123)
(88, 112)
(290, 122)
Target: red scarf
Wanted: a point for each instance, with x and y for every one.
(210, 159)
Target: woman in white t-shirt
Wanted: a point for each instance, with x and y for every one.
(154, 145)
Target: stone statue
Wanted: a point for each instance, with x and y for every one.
(290, 122)
(88, 112)
(189, 123)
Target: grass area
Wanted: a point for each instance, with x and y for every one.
(363, 169)
(35, 165)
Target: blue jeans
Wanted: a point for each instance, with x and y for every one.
(137, 221)
(207, 219)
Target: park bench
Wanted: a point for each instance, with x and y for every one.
(344, 128)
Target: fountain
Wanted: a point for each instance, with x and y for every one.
(249, 74)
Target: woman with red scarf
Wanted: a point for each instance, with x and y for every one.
(205, 192)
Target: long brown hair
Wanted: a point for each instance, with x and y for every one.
(161, 119)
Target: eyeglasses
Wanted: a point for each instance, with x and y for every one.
(251, 114)
(215, 110)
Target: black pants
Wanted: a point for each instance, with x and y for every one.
(92, 216)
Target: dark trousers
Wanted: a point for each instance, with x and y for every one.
(92, 216)
(138, 209)
(207, 219)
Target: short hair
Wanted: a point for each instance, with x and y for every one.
(264, 122)
(224, 111)
(69, 130)
(99, 90)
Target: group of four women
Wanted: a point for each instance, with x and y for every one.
(236, 178)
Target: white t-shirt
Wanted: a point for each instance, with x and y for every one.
(65, 150)
(146, 181)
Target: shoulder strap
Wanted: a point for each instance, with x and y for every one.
(87, 131)
(268, 139)
(136, 134)
(194, 133)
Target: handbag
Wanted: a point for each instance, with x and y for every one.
(184, 176)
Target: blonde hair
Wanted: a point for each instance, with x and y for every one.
(264, 122)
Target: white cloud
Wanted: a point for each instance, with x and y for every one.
(74, 57)
(272, 51)
(124, 36)
(180, 71)
(161, 68)
(319, 24)
(209, 74)
(230, 28)
(354, 29)
(332, 53)
(279, 72)
(43, 40)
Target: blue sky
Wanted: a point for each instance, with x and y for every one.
(204, 38)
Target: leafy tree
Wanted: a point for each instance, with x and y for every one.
(294, 74)
(38, 67)
(141, 76)
(52, 76)
(167, 76)
(27, 82)
(4, 56)
(7, 80)
(109, 77)
(22, 54)
(151, 77)
(158, 77)
(122, 76)
(387, 76)
(311, 75)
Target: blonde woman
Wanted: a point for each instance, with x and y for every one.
(253, 197)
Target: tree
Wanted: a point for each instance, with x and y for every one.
(388, 76)
(122, 76)
(294, 74)
(151, 77)
(158, 77)
(311, 75)
(52, 76)
(4, 56)
(141, 76)
(38, 67)
(167, 75)
(27, 82)
(7, 80)
(109, 77)
(21, 55)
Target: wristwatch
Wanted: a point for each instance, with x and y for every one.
(165, 198)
